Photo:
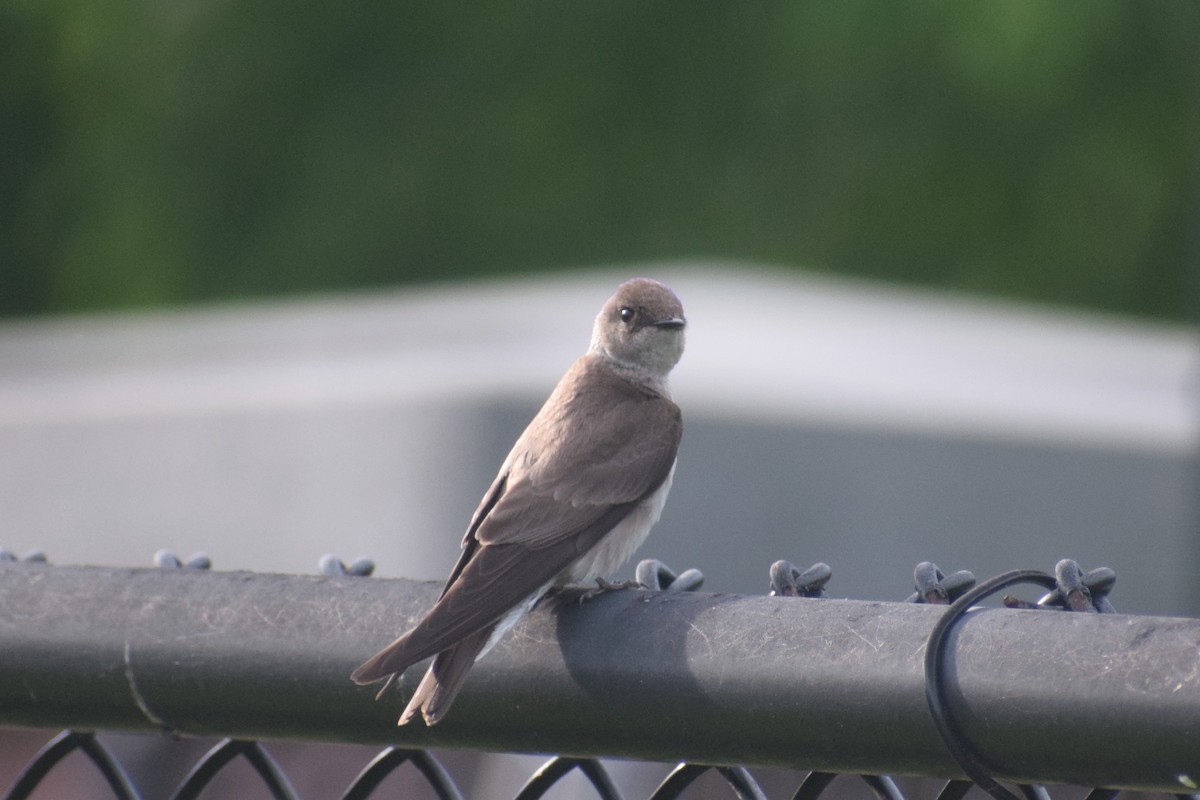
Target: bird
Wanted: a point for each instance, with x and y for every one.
(575, 497)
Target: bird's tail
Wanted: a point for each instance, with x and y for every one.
(444, 678)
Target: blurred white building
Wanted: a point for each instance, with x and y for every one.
(866, 426)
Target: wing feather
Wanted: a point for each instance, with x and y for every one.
(600, 445)
(496, 579)
(617, 443)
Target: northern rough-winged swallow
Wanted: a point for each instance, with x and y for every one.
(575, 497)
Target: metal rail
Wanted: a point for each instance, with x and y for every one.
(1097, 699)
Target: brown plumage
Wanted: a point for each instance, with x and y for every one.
(576, 495)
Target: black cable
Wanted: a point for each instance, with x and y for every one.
(960, 747)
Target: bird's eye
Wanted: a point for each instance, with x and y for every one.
(627, 314)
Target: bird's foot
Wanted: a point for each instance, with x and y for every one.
(604, 586)
(581, 594)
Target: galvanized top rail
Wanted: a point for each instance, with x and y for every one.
(833, 685)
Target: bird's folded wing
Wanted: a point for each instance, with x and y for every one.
(625, 453)
(620, 444)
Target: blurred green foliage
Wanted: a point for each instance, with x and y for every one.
(166, 152)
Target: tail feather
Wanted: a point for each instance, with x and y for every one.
(444, 678)
(383, 664)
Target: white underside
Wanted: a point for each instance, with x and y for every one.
(600, 562)
(620, 543)
(508, 620)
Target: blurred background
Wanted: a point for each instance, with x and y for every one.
(278, 281)
(160, 154)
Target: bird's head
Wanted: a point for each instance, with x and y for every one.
(641, 327)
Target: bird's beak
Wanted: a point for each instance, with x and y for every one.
(671, 323)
